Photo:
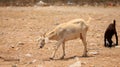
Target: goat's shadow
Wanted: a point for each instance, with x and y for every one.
(68, 58)
(73, 57)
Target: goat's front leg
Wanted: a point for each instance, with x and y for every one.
(56, 48)
(105, 40)
(85, 45)
(63, 47)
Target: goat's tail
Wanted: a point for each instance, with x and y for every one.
(114, 22)
(88, 21)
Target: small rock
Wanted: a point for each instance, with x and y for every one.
(84, 63)
(34, 61)
(76, 64)
(117, 46)
(41, 3)
(94, 53)
(77, 58)
(15, 65)
(20, 43)
(28, 55)
(31, 62)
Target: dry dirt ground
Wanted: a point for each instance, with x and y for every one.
(20, 27)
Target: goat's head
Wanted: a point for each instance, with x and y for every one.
(42, 41)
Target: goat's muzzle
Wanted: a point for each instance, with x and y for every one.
(40, 46)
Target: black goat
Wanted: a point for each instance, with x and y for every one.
(110, 31)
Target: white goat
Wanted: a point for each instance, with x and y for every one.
(67, 31)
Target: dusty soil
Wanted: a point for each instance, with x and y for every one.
(20, 27)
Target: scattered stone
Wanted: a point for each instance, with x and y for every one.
(117, 46)
(20, 43)
(31, 62)
(70, 3)
(77, 58)
(94, 53)
(76, 64)
(28, 55)
(41, 3)
(34, 61)
(15, 65)
(84, 63)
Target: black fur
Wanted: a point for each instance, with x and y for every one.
(110, 31)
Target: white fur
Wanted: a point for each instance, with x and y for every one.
(46, 39)
(68, 31)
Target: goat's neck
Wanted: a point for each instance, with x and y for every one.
(51, 35)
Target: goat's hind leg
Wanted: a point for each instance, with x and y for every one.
(105, 42)
(83, 37)
(110, 43)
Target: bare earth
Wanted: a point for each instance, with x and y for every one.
(20, 27)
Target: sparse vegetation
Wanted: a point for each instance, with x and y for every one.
(60, 2)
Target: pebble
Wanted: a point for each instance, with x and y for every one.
(94, 53)
(117, 46)
(28, 55)
(20, 43)
(15, 65)
(76, 64)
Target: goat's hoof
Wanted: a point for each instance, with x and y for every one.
(85, 55)
(51, 58)
(109, 46)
